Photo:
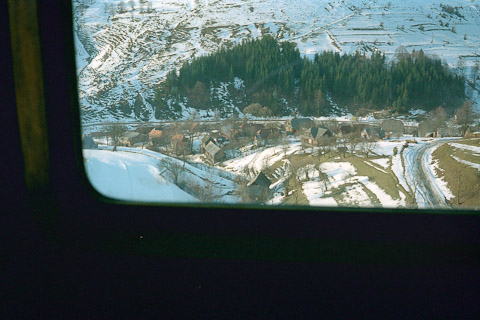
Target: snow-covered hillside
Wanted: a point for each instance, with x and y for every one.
(138, 175)
(389, 178)
(123, 54)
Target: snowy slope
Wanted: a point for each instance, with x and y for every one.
(134, 174)
(132, 177)
(123, 54)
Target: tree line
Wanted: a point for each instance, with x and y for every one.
(275, 75)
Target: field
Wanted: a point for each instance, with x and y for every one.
(459, 165)
(388, 176)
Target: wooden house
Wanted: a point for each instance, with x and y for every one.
(129, 139)
(250, 129)
(266, 135)
(296, 125)
(392, 128)
(181, 144)
(207, 139)
(450, 131)
(214, 153)
(427, 129)
(315, 135)
(374, 133)
(157, 136)
(258, 188)
(345, 129)
(144, 129)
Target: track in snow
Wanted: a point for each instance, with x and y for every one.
(428, 193)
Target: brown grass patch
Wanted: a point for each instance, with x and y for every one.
(463, 180)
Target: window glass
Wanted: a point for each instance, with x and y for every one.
(300, 102)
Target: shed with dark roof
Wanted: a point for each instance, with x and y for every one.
(258, 189)
(373, 133)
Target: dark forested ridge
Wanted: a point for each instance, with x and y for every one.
(276, 76)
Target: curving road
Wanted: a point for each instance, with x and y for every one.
(428, 194)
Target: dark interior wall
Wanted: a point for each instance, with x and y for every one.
(111, 261)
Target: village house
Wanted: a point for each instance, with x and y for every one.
(158, 136)
(214, 153)
(410, 129)
(392, 128)
(250, 129)
(131, 138)
(450, 131)
(258, 189)
(315, 135)
(345, 129)
(374, 133)
(144, 129)
(427, 129)
(297, 124)
(181, 144)
(212, 137)
(88, 143)
(266, 136)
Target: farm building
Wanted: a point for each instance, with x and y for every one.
(129, 139)
(373, 133)
(214, 153)
(427, 128)
(345, 129)
(258, 188)
(88, 143)
(144, 129)
(297, 124)
(450, 131)
(213, 137)
(156, 136)
(266, 135)
(392, 128)
(315, 135)
(181, 144)
(250, 129)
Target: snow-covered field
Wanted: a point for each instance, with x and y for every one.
(121, 55)
(130, 176)
(135, 175)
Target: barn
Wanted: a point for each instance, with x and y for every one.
(427, 128)
(214, 153)
(373, 133)
(315, 135)
(392, 128)
(300, 123)
(258, 189)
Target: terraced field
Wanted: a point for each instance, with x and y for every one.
(122, 56)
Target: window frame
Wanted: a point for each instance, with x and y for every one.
(70, 210)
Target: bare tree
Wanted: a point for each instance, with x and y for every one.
(414, 189)
(353, 141)
(285, 144)
(464, 115)
(367, 146)
(172, 169)
(326, 144)
(115, 131)
(323, 177)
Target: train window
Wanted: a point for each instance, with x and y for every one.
(322, 103)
